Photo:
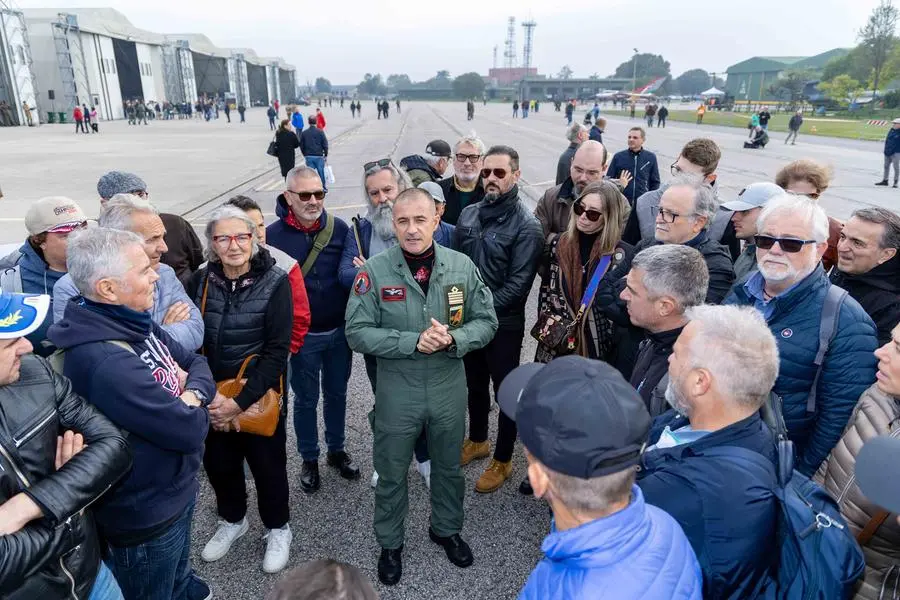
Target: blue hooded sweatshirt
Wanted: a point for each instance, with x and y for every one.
(139, 392)
(38, 278)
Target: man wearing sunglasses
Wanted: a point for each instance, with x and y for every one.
(430, 167)
(792, 292)
(464, 188)
(505, 242)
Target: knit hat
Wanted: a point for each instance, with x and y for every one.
(119, 182)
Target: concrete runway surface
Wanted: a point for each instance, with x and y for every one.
(192, 166)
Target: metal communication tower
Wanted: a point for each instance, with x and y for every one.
(529, 37)
(509, 54)
(70, 59)
(495, 56)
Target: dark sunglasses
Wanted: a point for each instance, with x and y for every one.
(592, 215)
(384, 162)
(307, 196)
(789, 245)
(498, 173)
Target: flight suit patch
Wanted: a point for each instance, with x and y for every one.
(456, 300)
(393, 294)
(361, 284)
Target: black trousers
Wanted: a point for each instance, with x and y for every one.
(490, 365)
(421, 447)
(223, 460)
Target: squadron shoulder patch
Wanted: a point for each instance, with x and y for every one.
(456, 300)
(361, 284)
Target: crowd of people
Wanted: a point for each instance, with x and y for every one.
(671, 323)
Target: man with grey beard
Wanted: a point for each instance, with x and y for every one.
(794, 295)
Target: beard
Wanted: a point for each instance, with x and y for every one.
(787, 272)
(676, 398)
(382, 218)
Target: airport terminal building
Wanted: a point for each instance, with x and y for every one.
(57, 59)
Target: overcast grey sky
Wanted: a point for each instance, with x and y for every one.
(343, 40)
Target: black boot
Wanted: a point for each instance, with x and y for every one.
(344, 464)
(390, 566)
(309, 476)
(457, 549)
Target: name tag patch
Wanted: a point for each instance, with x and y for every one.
(393, 294)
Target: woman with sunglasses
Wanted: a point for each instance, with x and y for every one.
(594, 232)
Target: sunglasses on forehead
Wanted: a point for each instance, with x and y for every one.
(384, 162)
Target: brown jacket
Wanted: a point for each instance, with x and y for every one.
(875, 414)
(554, 210)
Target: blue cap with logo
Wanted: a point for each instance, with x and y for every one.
(20, 314)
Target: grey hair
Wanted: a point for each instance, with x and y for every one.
(594, 495)
(676, 271)
(300, 172)
(735, 345)
(97, 253)
(221, 214)
(574, 131)
(805, 208)
(706, 203)
(890, 237)
(433, 160)
(400, 176)
(472, 139)
(118, 212)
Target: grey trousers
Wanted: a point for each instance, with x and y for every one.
(791, 133)
(893, 159)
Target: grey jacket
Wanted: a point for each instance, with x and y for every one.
(168, 291)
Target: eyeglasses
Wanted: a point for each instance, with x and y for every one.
(668, 216)
(224, 241)
(789, 245)
(498, 173)
(592, 215)
(384, 162)
(472, 158)
(307, 196)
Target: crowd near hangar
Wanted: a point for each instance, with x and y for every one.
(53, 59)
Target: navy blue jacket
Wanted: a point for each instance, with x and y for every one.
(849, 366)
(313, 143)
(139, 392)
(327, 297)
(892, 142)
(725, 505)
(443, 236)
(643, 168)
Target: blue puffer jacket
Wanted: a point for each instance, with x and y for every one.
(703, 492)
(849, 366)
(892, 142)
(639, 553)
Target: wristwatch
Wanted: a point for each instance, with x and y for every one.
(452, 347)
(204, 401)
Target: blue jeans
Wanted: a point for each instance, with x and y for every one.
(318, 163)
(325, 357)
(105, 586)
(159, 569)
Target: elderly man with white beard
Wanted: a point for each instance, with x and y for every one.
(800, 305)
(370, 235)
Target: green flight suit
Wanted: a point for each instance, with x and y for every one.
(385, 316)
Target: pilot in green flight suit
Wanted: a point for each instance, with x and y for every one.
(419, 308)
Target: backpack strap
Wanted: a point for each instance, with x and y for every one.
(57, 360)
(868, 532)
(323, 238)
(831, 312)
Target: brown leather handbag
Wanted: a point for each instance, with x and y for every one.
(261, 418)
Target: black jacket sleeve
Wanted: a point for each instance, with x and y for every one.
(24, 553)
(632, 233)
(272, 361)
(721, 276)
(653, 177)
(730, 240)
(303, 144)
(522, 268)
(193, 247)
(104, 460)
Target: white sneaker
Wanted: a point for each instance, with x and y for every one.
(374, 479)
(278, 549)
(424, 469)
(223, 538)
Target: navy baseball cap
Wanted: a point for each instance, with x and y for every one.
(577, 416)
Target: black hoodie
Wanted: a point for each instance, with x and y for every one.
(878, 292)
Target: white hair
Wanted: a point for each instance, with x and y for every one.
(433, 160)
(472, 139)
(400, 176)
(706, 203)
(224, 213)
(120, 210)
(803, 208)
(98, 253)
(676, 271)
(736, 346)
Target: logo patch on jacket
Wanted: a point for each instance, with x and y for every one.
(393, 294)
(456, 300)
(361, 284)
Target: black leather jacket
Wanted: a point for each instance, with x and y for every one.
(57, 556)
(505, 241)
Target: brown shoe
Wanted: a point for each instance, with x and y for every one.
(493, 477)
(474, 450)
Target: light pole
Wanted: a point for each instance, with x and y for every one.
(634, 71)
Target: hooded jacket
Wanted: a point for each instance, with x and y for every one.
(638, 553)
(139, 392)
(878, 292)
(419, 170)
(848, 368)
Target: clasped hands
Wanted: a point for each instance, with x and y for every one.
(434, 339)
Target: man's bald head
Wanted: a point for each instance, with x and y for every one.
(588, 165)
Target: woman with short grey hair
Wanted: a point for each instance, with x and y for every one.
(245, 299)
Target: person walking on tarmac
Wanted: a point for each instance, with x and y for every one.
(419, 308)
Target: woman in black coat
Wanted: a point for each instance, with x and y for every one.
(287, 143)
